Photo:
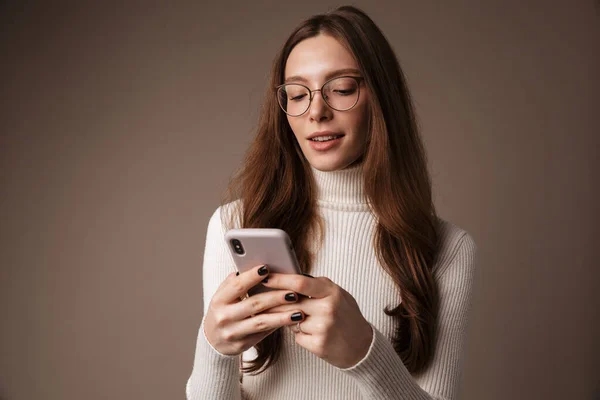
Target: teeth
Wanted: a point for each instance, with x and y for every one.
(323, 138)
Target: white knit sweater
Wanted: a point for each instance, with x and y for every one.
(348, 259)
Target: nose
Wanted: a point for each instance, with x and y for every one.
(319, 110)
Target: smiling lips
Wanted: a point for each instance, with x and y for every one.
(322, 141)
(323, 136)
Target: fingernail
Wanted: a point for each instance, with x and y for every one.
(310, 276)
(263, 270)
(237, 273)
(296, 316)
(290, 297)
(265, 280)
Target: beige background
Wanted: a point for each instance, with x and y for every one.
(120, 125)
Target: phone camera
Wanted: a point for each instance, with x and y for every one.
(237, 246)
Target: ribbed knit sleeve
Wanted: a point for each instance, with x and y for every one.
(381, 373)
(215, 376)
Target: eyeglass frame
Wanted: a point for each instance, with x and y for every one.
(358, 80)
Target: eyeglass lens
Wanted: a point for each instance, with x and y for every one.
(340, 94)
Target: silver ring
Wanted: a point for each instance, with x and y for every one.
(244, 297)
(298, 328)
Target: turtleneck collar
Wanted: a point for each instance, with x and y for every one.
(341, 189)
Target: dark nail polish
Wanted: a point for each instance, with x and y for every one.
(237, 273)
(290, 297)
(265, 280)
(310, 276)
(263, 270)
(296, 316)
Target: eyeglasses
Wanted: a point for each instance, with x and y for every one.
(340, 93)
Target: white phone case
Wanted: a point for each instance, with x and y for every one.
(272, 247)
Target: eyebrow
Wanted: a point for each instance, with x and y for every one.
(329, 75)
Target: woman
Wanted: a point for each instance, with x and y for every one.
(338, 164)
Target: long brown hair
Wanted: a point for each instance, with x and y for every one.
(275, 189)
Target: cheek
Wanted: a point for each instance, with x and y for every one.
(361, 118)
(361, 122)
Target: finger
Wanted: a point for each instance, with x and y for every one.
(313, 287)
(260, 302)
(309, 326)
(235, 287)
(258, 337)
(263, 323)
(307, 306)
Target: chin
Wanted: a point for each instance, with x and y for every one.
(325, 168)
(328, 165)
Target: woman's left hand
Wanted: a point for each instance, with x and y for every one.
(334, 329)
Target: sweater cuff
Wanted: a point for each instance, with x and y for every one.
(209, 347)
(366, 355)
(382, 374)
(213, 373)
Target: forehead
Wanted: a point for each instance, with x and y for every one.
(313, 58)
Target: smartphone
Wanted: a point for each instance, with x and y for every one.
(250, 247)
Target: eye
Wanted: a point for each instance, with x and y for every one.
(345, 92)
(299, 97)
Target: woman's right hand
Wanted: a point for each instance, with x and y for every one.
(233, 326)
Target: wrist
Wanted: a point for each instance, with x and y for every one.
(363, 344)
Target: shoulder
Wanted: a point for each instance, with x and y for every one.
(225, 217)
(454, 244)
